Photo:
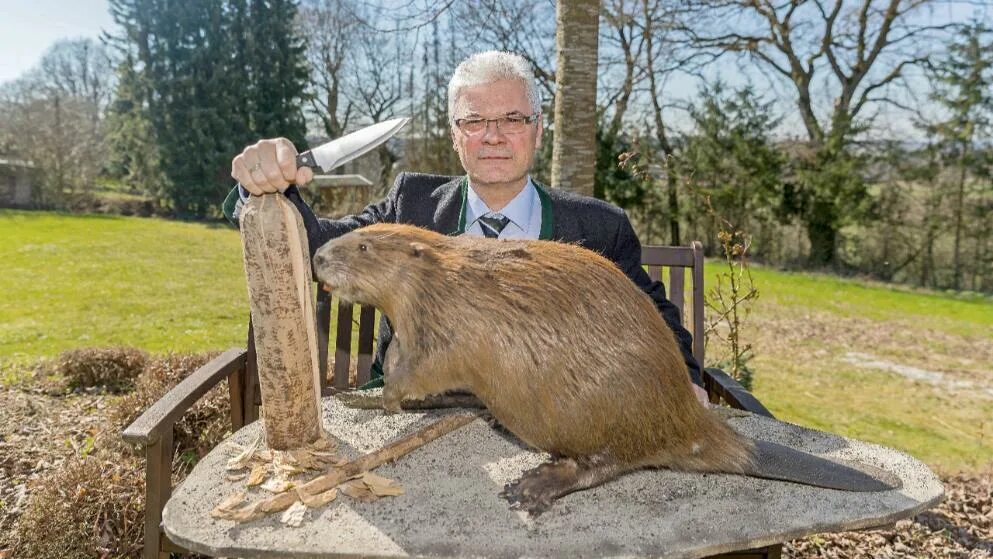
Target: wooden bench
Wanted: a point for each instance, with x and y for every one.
(153, 429)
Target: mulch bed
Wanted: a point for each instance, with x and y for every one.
(39, 432)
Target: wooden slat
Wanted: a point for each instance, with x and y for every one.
(698, 307)
(168, 546)
(343, 344)
(323, 311)
(367, 323)
(655, 273)
(253, 392)
(236, 393)
(158, 488)
(676, 291)
(719, 382)
(666, 256)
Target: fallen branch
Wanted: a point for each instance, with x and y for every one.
(373, 400)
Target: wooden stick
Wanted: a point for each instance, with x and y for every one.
(356, 467)
(361, 399)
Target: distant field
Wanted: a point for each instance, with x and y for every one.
(908, 369)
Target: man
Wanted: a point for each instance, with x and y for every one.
(495, 112)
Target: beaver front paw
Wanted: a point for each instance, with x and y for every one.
(391, 399)
(539, 487)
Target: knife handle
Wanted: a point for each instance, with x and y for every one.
(306, 159)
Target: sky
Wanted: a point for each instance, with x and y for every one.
(29, 27)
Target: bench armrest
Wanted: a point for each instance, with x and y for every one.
(164, 413)
(720, 383)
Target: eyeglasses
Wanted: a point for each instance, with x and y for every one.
(508, 124)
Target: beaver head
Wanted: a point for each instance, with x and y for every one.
(379, 263)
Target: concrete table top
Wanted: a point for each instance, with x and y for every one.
(451, 507)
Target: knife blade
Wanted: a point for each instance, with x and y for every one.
(339, 151)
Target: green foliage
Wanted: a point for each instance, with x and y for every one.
(730, 160)
(729, 155)
(828, 193)
(613, 182)
(132, 154)
(209, 77)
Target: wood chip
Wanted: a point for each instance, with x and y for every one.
(258, 475)
(381, 486)
(241, 461)
(277, 485)
(358, 490)
(293, 516)
(319, 500)
(264, 455)
(233, 500)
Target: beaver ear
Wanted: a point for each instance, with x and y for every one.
(419, 249)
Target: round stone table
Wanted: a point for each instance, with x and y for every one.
(451, 507)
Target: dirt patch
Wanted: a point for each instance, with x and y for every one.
(959, 358)
(935, 378)
(38, 434)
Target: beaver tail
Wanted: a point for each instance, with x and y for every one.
(724, 450)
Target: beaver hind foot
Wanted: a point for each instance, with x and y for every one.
(539, 487)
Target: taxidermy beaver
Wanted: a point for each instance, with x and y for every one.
(563, 349)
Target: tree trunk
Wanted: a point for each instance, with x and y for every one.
(959, 209)
(822, 232)
(277, 267)
(574, 142)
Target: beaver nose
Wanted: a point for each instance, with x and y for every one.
(321, 258)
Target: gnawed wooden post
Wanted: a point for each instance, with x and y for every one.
(277, 266)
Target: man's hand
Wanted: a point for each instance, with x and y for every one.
(701, 395)
(269, 166)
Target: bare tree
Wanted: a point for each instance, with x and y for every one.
(330, 32)
(52, 116)
(842, 60)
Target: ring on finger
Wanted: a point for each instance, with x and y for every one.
(256, 167)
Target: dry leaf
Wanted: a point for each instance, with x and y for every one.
(319, 500)
(257, 476)
(382, 486)
(277, 485)
(293, 516)
(358, 490)
(236, 477)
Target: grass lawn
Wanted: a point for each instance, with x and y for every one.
(72, 281)
(828, 351)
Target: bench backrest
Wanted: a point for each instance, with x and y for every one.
(342, 319)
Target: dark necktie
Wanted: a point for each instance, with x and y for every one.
(492, 223)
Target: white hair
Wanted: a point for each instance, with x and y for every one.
(487, 67)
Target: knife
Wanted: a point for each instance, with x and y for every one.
(337, 152)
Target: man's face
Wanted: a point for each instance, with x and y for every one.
(493, 157)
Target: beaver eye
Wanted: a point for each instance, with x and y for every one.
(363, 248)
